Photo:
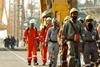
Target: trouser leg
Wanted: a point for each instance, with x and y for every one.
(64, 55)
(44, 53)
(56, 51)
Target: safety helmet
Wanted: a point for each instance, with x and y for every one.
(73, 10)
(32, 21)
(88, 17)
(66, 18)
(54, 20)
(48, 18)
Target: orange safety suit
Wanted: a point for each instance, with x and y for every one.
(43, 34)
(31, 40)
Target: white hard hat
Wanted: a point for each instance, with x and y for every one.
(48, 18)
(32, 21)
(73, 10)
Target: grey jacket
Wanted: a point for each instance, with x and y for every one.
(68, 31)
(52, 34)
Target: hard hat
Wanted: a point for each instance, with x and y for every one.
(54, 20)
(66, 18)
(73, 10)
(88, 17)
(32, 21)
(48, 18)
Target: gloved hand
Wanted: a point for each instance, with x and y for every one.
(24, 40)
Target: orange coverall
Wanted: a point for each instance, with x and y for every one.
(30, 37)
(43, 34)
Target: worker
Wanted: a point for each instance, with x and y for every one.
(52, 43)
(64, 47)
(90, 36)
(71, 32)
(30, 37)
(43, 33)
(98, 29)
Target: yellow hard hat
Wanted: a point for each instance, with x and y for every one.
(73, 10)
(66, 18)
(88, 17)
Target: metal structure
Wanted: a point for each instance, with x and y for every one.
(54, 8)
(16, 18)
(91, 7)
(1, 12)
(21, 17)
(57, 8)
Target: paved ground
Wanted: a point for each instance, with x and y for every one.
(17, 58)
(14, 58)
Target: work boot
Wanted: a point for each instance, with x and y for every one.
(44, 63)
(50, 64)
(92, 65)
(29, 62)
(64, 64)
(35, 62)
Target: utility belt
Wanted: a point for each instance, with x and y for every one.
(53, 41)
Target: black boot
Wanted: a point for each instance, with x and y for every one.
(50, 64)
(35, 62)
(29, 62)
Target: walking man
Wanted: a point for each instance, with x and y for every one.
(30, 37)
(90, 36)
(71, 35)
(43, 33)
(52, 43)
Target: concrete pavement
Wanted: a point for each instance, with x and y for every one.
(18, 58)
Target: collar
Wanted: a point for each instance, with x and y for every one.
(72, 20)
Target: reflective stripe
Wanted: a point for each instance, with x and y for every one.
(29, 57)
(34, 56)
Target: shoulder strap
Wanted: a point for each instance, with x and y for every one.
(73, 27)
